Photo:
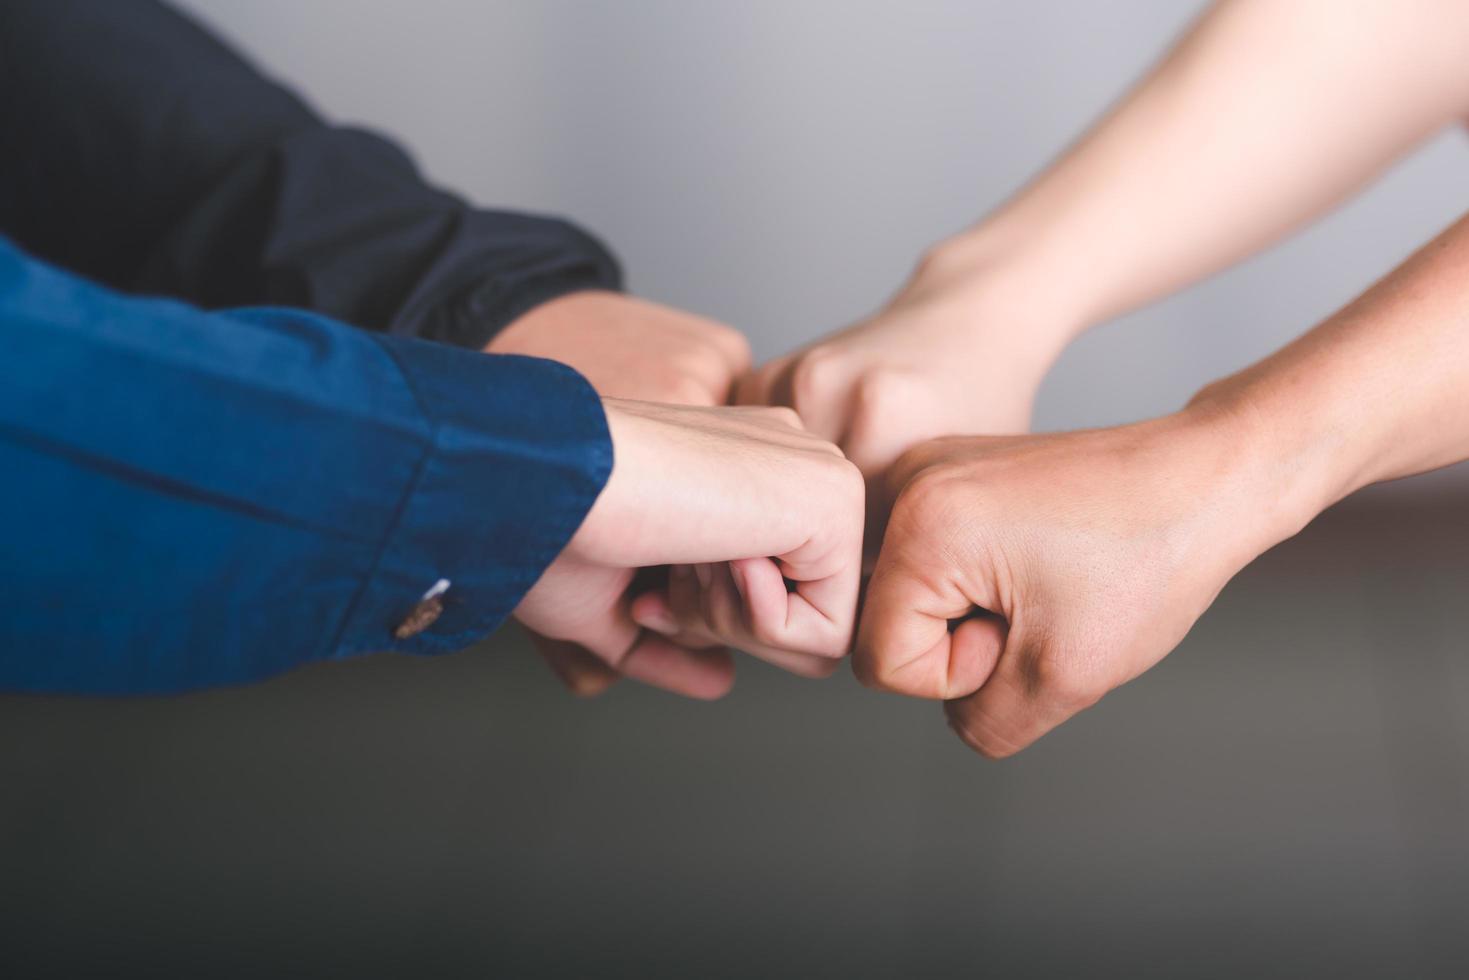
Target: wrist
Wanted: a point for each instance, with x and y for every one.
(1290, 464)
(1001, 280)
(615, 514)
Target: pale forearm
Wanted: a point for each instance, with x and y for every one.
(1267, 113)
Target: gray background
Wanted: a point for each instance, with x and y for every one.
(1287, 795)
(782, 164)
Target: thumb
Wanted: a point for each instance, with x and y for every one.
(906, 643)
(627, 649)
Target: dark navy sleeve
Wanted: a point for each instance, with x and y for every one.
(142, 152)
(196, 498)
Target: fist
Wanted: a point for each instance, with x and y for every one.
(740, 502)
(631, 348)
(1087, 557)
(948, 356)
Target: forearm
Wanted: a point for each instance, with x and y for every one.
(1377, 392)
(1263, 116)
(200, 498)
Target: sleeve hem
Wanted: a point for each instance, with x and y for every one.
(505, 483)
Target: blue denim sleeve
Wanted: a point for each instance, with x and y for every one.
(193, 498)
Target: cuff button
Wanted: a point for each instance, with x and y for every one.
(425, 613)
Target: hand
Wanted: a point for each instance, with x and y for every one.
(1093, 552)
(959, 351)
(631, 348)
(626, 348)
(738, 500)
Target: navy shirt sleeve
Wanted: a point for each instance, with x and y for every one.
(143, 153)
(198, 498)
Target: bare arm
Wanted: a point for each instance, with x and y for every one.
(1265, 114)
(1098, 550)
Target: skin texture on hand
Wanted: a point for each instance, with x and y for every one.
(738, 501)
(630, 348)
(1098, 550)
(1094, 552)
(955, 352)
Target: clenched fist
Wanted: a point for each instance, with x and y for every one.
(1090, 553)
(961, 350)
(739, 501)
(630, 348)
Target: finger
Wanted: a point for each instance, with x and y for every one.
(655, 612)
(746, 603)
(652, 611)
(1010, 711)
(818, 613)
(580, 671)
(708, 381)
(754, 388)
(768, 599)
(975, 645)
(903, 642)
(734, 347)
(814, 385)
(703, 674)
(610, 636)
(779, 619)
(875, 437)
(762, 591)
(821, 613)
(807, 665)
(628, 649)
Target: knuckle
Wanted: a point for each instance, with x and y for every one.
(815, 375)
(927, 497)
(844, 477)
(883, 390)
(852, 490)
(836, 488)
(732, 341)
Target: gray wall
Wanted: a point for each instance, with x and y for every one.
(781, 164)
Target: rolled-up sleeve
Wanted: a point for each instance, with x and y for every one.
(194, 499)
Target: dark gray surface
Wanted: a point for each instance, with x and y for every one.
(1286, 795)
